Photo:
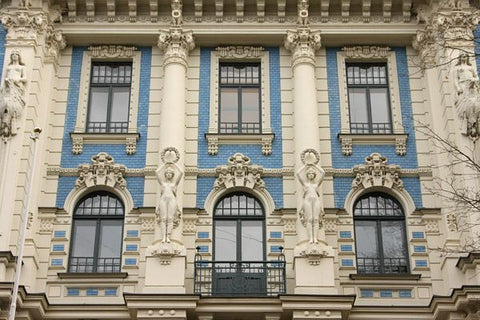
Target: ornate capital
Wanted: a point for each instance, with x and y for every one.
(376, 172)
(303, 43)
(425, 43)
(176, 44)
(456, 26)
(239, 173)
(24, 25)
(101, 172)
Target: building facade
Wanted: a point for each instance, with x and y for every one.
(239, 159)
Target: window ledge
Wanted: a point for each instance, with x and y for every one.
(349, 139)
(385, 276)
(265, 139)
(103, 275)
(81, 138)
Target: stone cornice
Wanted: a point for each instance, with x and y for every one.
(175, 43)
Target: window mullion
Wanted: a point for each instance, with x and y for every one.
(109, 108)
(369, 110)
(239, 120)
(380, 246)
(97, 245)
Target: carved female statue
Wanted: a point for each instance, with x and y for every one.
(12, 93)
(311, 176)
(169, 176)
(468, 96)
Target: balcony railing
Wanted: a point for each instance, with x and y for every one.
(385, 265)
(239, 278)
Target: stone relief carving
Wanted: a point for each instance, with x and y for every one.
(12, 95)
(112, 51)
(366, 52)
(311, 177)
(169, 176)
(467, 102)
(177, 16)
(239, 173)
(452, 222)
(55, 43)
(376, 172)
(175, 43)
(239, 52)
(102, 171)
(302, 8)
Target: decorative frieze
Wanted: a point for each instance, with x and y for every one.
(112, 51)
(366, 52)
(175, 44)
(102, 171)
(376, 172)
(239, 52)
(239, 172)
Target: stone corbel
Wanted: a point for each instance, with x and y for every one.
(348, 140)
(165, 252)
(314, 252)
(216, 139)
(80, 139)
(55, 42)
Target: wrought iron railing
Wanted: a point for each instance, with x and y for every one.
(239, 278)
(244, 127)
(370, 128)
(385, 265)
(107, 127)
(91, 264)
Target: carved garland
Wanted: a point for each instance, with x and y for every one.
(239, 173)
(376, 172)
(101, 172)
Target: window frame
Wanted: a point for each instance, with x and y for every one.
(240, 54)
(370, 54)
(238, 219)
(367, 88)
(379, 238)
(107, 54)
(98, 220)
(110, 87)
(239, 88)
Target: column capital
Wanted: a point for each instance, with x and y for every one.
(303, 43)
(176, 43)
(55, 42)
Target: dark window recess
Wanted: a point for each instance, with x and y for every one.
(368, 99)
(380, 236)
(239, 101)
(109, 100)
(97, 234)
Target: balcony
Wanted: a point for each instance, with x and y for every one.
(239, 278)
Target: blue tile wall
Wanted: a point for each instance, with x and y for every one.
(343, 185)
(73, 291)
(203, 235)
(59, 234)
(3, 34)
(110, 291)
(405, 293)
(117, 151)
(134, 184)
(275, 187)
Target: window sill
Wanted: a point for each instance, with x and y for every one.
(215, 139)
(349, 139)
(129, 139)
(385, 276)
(103, 275)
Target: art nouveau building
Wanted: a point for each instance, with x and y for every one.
(238, 159)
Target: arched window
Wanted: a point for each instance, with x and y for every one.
(380, 235)
(239, 233)
(97, 234)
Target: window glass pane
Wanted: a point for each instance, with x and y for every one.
(251, 108)
(229, 110)
(366, 239)
(83, 241)
(98, 104)
(110, 242)
(225, 240)
(252, 240)
(357, 98)
(120, 103)
(380, 108)
(393, 238)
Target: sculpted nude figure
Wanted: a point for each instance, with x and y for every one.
(311, 176)
(12, 93)
(169, 176)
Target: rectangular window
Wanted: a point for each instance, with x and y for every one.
(239, 98)
(368, 98)
(109, 100)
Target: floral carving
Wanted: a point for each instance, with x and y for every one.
(24, 25)
(102, 171)
(176, 43)
(366, 52)
(376, 172)
(112, 51)
(303, 43)
(239, 173)
(239, 52)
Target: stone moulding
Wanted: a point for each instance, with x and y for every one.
(214, 139)
(349, 139)
(80, 139)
